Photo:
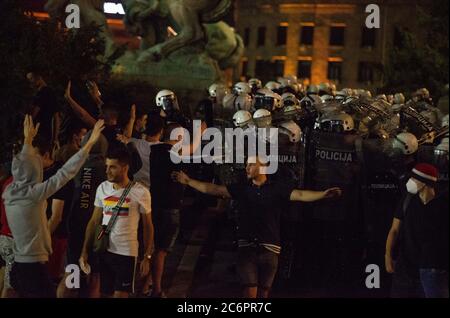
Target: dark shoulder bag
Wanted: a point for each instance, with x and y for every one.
(101, 239)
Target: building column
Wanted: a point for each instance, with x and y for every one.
(292, 47)
(319, 68)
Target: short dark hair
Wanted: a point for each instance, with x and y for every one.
(168, 130)
(155, 124)
(119, 153)
(43, 145)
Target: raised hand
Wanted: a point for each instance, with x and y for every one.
(128, 132)
(29, 130)
(95, 135)
(96, 132)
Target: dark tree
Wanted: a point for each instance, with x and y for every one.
(421, 59)
(58, 53)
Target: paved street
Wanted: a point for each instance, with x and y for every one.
(203, 266)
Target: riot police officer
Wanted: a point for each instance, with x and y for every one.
(170, 109)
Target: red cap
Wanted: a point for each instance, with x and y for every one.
(425, 173)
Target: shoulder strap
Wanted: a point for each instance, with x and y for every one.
(116, 209)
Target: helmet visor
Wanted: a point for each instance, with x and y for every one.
(264, 102)
(289, 102)
(333, 126)
(170, 104)
(263, 122)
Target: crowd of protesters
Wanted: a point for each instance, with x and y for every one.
(74, 176)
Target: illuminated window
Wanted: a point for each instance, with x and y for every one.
(304, 69)
(262, 36)
(260, 67)
(334, 70)
(282, 35)
(307, 35)
(337, 35)
(279, 68)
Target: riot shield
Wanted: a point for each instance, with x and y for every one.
(334, 226)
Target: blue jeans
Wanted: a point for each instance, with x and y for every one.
(434, 282)
(406, 282)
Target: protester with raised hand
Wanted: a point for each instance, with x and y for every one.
(25, 203)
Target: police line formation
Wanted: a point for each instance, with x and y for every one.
(320, 125)
(366, 145)
(346, 138)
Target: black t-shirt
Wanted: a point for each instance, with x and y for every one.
(204, 111)
(166, 193)
(260, 209)
(90, 176)
(64, 194)
(46, 100)
(110, 133)
(178, 118)
(424, 232)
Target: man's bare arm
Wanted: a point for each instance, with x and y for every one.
(89, 237)
(78, 109)
(312, 196)
(57, 215)
(203, 187)
(95, 220)
(128, 131)
(148, 230)
(391, 244)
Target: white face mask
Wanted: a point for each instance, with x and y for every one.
(413, 187)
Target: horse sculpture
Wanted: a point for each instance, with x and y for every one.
(186, 16)
(193, 22)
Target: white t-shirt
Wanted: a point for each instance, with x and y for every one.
(143, 148)
(123, 239)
